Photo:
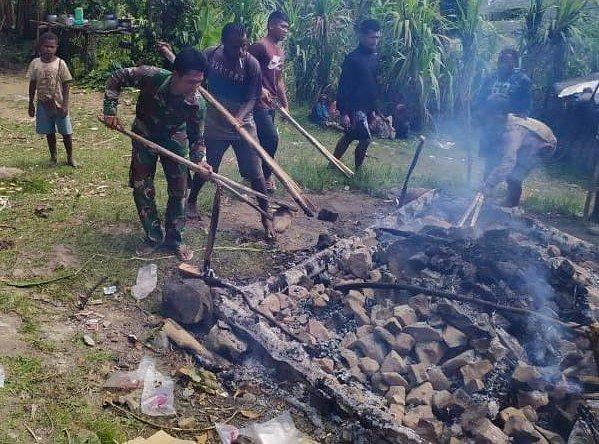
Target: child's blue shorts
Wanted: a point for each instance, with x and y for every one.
(49, 124)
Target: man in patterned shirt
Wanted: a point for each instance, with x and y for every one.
(169, 112)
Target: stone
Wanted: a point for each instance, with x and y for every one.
(534, 398)
(382, 334)
(422, 305)
(349, 340)
(404, 343)
(272, 302)
(298, 292)
(422, 332)
(437, 378)
(510, 412)
(474, 373)
(405, 315)
(350, 357)
(454, 338)
(378, 383)
(422, 394)
(393, 326)
(553, 251)
(325, 240)
(529, 375)
(374, 275)
(221, 339)
(430, 352)
(393, 363)
(326, 364)
(550, 437)
(359, 263)
(473, 324)
(319, 331)
(357, 296)
(320, 300)
(414, 414)
(359, 312)
(393, 378)
(451, 366)
(380, 313)
(188, 302)
(372, 348)
(285, 301)
(9, 173)
(397, 411)
(530, 413)
(497, 350)
(396, 395)
(364, 330)
(430, 429)
(441, 401)
(358, 375)
(485, 432)
(521, 430)
(417, 373)
(187, 423)
(369, 365)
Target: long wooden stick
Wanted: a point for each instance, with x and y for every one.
(289, 184)
(213, 227)
(326, 153)
(404, 189)
(218, 179)
(593, 186)
(476, 212)
(455, 297)
(469, 210)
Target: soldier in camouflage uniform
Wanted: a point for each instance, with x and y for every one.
(169, 112)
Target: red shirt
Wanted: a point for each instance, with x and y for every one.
(271, 58)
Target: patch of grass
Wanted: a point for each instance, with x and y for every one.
(562, 202)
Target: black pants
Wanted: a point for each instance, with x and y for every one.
(267, 134)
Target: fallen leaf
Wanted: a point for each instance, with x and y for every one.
(250, 414)
(202, 439)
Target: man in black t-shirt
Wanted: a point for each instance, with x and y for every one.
(358, 91)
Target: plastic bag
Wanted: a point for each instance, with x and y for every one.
(147, 278)
(2, 376)
(133, 379)
(157, 397)
(279, 430)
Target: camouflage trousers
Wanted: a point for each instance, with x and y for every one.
(141, 179)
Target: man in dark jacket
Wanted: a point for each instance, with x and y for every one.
(358, 91)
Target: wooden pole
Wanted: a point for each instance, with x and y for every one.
(213, 227)
(326, 153)
(289, 184)
(469, 210)
(404, 189)
(593, 186)
(218, 179)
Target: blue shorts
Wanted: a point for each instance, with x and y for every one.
(48, 124)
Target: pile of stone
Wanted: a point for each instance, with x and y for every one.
(449, 371)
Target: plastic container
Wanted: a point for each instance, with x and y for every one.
(78, 16)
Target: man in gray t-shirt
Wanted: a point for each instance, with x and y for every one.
(234, 79)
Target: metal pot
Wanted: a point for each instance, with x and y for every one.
(125, 23)
(110, 23)
(51, 18)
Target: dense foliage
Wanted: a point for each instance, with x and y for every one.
(433, 60)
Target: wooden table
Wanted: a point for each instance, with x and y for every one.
(90, 37)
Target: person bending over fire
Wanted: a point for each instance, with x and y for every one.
(522, 143)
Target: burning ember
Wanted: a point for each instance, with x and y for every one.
(409, 366)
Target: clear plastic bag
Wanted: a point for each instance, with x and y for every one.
(147, 279)
(279, 430)
(130, 380)
(157, 397)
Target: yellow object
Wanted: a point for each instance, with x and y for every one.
(160, 437)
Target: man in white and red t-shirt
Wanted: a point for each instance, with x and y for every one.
(271, 57)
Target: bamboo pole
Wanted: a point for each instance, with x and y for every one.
(218, 179)
(469, 210)
(326, 153)
(289, 184)
(404, 189)
(213, 227)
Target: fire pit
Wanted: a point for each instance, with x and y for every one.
(411, 367)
